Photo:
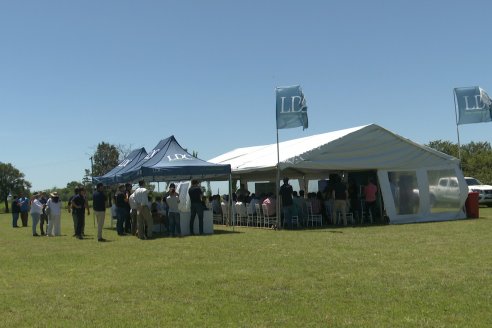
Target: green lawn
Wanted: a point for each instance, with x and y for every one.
(414, 275)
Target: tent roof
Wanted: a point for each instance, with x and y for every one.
(168, 161)
(358, 148)
(125, 165)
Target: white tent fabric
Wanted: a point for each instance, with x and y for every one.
(363, 148)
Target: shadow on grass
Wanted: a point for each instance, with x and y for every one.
(226, 231)
(322, 230)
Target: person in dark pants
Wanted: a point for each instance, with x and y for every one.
(286, 192)
(195, 193)
(340, 195)
(15, 211)
(44, 217)
(99, 208)
(128, 220)
(121, 210)
(71, 210)
(24, 209)
(79, 204)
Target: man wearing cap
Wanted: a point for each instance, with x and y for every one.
(99, 208)
(144, 217)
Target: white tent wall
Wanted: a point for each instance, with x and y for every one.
(364, 148)
(424, 213)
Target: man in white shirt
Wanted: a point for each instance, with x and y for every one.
(133, 213)
(144, 217)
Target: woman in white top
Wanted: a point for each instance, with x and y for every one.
(54, 217)
(36, 210)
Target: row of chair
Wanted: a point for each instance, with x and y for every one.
(261, 217)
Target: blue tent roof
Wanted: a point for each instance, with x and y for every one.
(125, 165)
(168, 161)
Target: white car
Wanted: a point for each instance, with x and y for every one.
(484, 191)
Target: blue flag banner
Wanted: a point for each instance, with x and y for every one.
(291, 108)
(474, 105)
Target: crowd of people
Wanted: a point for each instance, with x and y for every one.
(335, 201)
(135, 211)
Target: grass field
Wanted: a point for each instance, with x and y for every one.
(415, 275)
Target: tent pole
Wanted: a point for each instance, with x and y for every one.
(277, 182)
(229, 208)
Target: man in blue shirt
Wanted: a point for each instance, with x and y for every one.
(24, 209)
(99, 207)
(79, 204)
(15, 211)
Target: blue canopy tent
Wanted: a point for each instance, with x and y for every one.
(168, 161)
(130, 161)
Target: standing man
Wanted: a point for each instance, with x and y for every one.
(340, 195)
(15, 211)
(99, 207)
(144, 217)
(24, 209)
(71, 210)
(36, 210)
(44, 217)
(133, 213)
(287, 202)
(121, 209)
(128, 220)
(172, 201)
(195, 193)
(79, 204)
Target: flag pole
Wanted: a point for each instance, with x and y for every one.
(277, 183)
(457, 125)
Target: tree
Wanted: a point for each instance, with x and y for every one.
(446, 147)
(11, 182)
(87, 181)
(105, 158)
(476, 157)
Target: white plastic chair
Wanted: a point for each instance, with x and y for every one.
(268, 219)
(251, 215)
(241, 214)
(259, 215)
(313, 218)
(225, 214)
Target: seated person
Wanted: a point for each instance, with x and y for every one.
(271, 204)
(216, 208)
(252, 204)
(300, 208)
(154, 211)
(315, 203)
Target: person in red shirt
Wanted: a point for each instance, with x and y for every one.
(370, 191)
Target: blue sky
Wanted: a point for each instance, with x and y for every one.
(76, 73)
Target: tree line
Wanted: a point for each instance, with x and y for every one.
(476, 161)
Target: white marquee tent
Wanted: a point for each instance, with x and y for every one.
(407, 172)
